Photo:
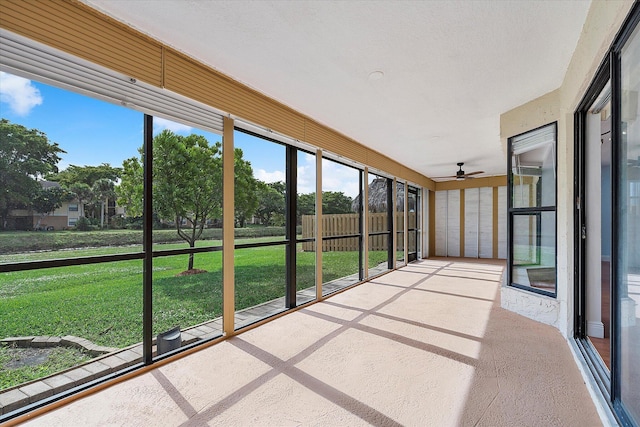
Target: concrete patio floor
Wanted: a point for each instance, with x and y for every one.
(113, 360)
(427, 345)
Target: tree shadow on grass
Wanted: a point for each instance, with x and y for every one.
(187, 300)
(193, 299)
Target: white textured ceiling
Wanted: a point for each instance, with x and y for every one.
(450, 67)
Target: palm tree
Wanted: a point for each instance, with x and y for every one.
(83, 193)
(103, 190)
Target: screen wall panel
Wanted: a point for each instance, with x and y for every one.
(471, 222)
(453, 223)
(502, 222)
(441, 223)
(486, 222)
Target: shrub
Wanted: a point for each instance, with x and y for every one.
(118, 222)
(277, 220)
(17, 242)
(83, 224)
(259, 232)
(133, 223)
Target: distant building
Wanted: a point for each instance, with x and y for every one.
(64, 217)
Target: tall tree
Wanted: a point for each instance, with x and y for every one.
(245, 199)
(335, 202)
(271, 201)
(279, 186)
(86, 174)
(83, 193)
(306, 205)
(46, 200)
(187, 183)
(25, 155)
(129, 192)
(103, 190)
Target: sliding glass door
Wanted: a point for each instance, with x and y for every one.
(607, 218)
(627, 270)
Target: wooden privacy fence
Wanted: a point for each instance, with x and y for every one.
(346, 224)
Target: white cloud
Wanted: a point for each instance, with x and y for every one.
(309, 159)
(307, 174)
(306, 179)
(265, 176)
(336, 177)
(160, 124)
(21, 95)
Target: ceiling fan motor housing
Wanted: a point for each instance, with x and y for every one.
(460, 174)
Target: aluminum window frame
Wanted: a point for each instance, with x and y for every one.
(413, 256)
(535, 210)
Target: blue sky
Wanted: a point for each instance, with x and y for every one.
(92, 132)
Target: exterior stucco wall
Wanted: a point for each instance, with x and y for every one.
(59, 218)
(600, 28)
(537, 307)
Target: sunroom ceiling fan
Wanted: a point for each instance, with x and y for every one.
(460, 174)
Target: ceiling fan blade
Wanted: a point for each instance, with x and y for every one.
(459, 174)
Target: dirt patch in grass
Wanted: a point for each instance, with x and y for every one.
(21, 357)
(20, 365)
(191, 272)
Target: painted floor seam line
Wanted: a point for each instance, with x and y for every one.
(174, 394)
(413, 323)
(434, 292)
(230, 400)
(495, 396)
(317, 386)
(456, 295)
(237, 395)
(430, 327)
(392, 298)
(430, 348)
(492, 280)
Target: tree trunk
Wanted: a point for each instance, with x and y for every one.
(101, 215)
(191, 245)
(106, 208)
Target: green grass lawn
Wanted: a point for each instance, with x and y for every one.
(103, 302)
